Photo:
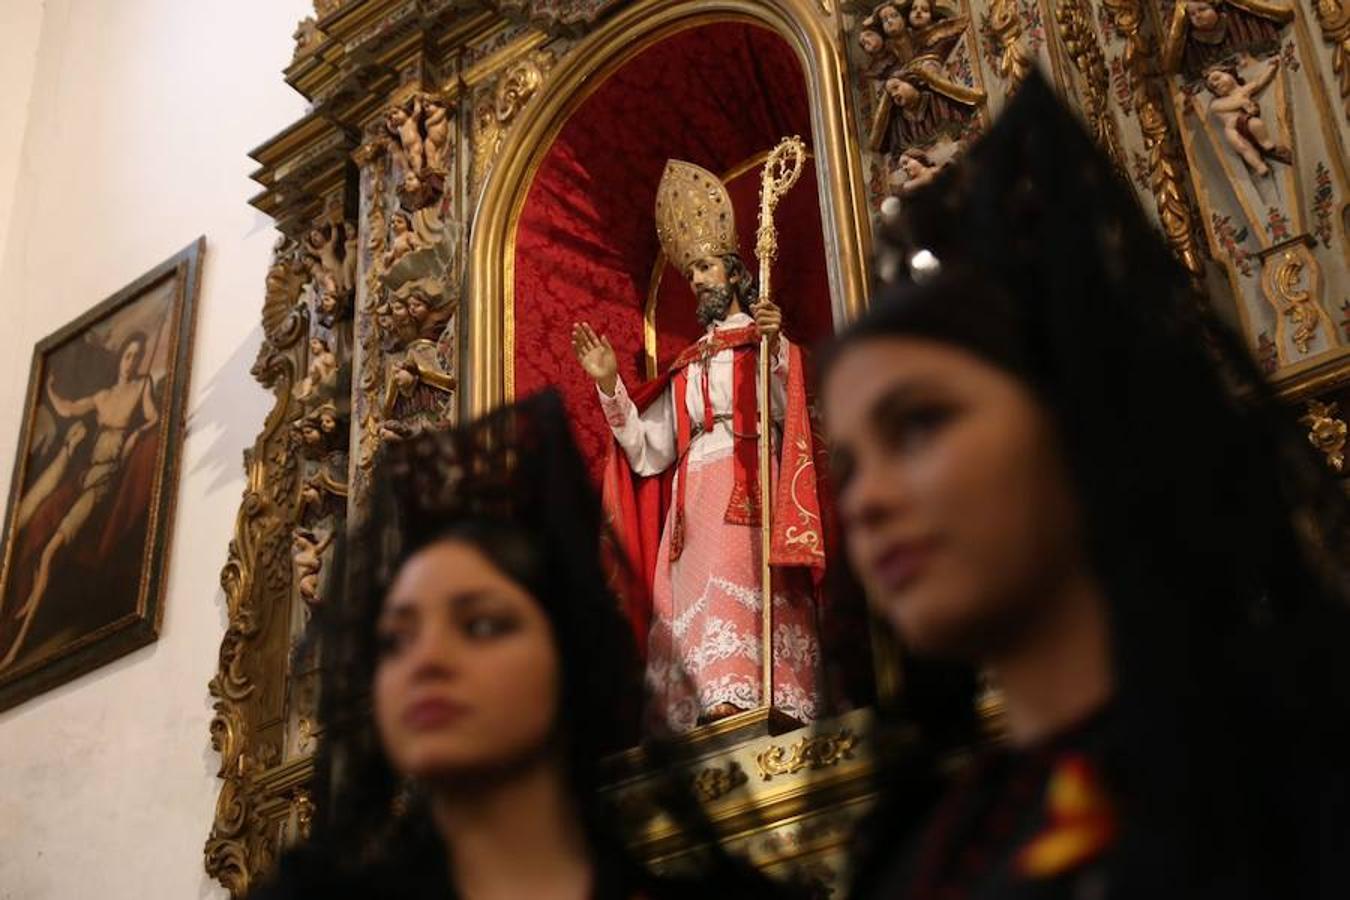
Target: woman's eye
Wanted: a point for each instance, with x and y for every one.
(485, 626)
(390, 643)
(914, 429)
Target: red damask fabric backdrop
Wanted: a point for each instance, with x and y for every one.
(716, 95)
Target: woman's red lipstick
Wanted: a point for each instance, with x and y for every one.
(434, 712)
(900, 563)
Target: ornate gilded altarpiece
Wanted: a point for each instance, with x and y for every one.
(429, 211)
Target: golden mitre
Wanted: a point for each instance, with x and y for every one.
(694, 217)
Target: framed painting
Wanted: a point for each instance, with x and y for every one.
(87, 528)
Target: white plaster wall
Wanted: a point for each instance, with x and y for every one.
(20, 25)
(141, 115)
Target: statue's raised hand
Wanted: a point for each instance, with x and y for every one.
(596, 356)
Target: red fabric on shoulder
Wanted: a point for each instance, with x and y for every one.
(634, 510)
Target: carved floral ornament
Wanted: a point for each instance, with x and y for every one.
(716, 781)
(818, 751)
(571, 17)
(1326, 432)
(497, 108)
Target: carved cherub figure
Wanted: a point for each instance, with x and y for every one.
(384, 321)
(1236, 107)
(311, 498)
(923, 102)
(429, 306)
(404, 127)
(311, 437)
(1202, 33)
(307, 551)
(418, 309)
(920, 14)
(437, 125)
(918, 168)
(417, 385)
(320, 432)
(323, 366)
(871, 40)
(307, 36)
(420, 191)
(894, 30)
(398, 312)
(920, 99)
(404, 242)
(883, 40)
(349, 257)
(321, 245)
(334, 304)
(321, 496)
(329, 421)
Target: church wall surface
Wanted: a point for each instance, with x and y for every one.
(139, 117)
(20, 27)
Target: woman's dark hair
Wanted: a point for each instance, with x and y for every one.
(1219, 536)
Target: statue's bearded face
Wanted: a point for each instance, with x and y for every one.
(712, 288)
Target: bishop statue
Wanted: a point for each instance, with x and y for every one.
(698, 425)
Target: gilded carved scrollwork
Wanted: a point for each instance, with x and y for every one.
(1333, 16)
(254, 579)
(497, 108)
(300, 453)
(1291, 280)
(571, 17)
(714, 782)
(1074, 18)
(303, 804)
(818, 751)
(1004, 23)
(1326, 432)
(1166, 173)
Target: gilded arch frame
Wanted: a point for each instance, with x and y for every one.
(813, 31)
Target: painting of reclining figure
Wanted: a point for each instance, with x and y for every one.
(91, 496)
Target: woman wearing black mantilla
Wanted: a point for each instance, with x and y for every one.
(476, 670)
(1057, 470)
